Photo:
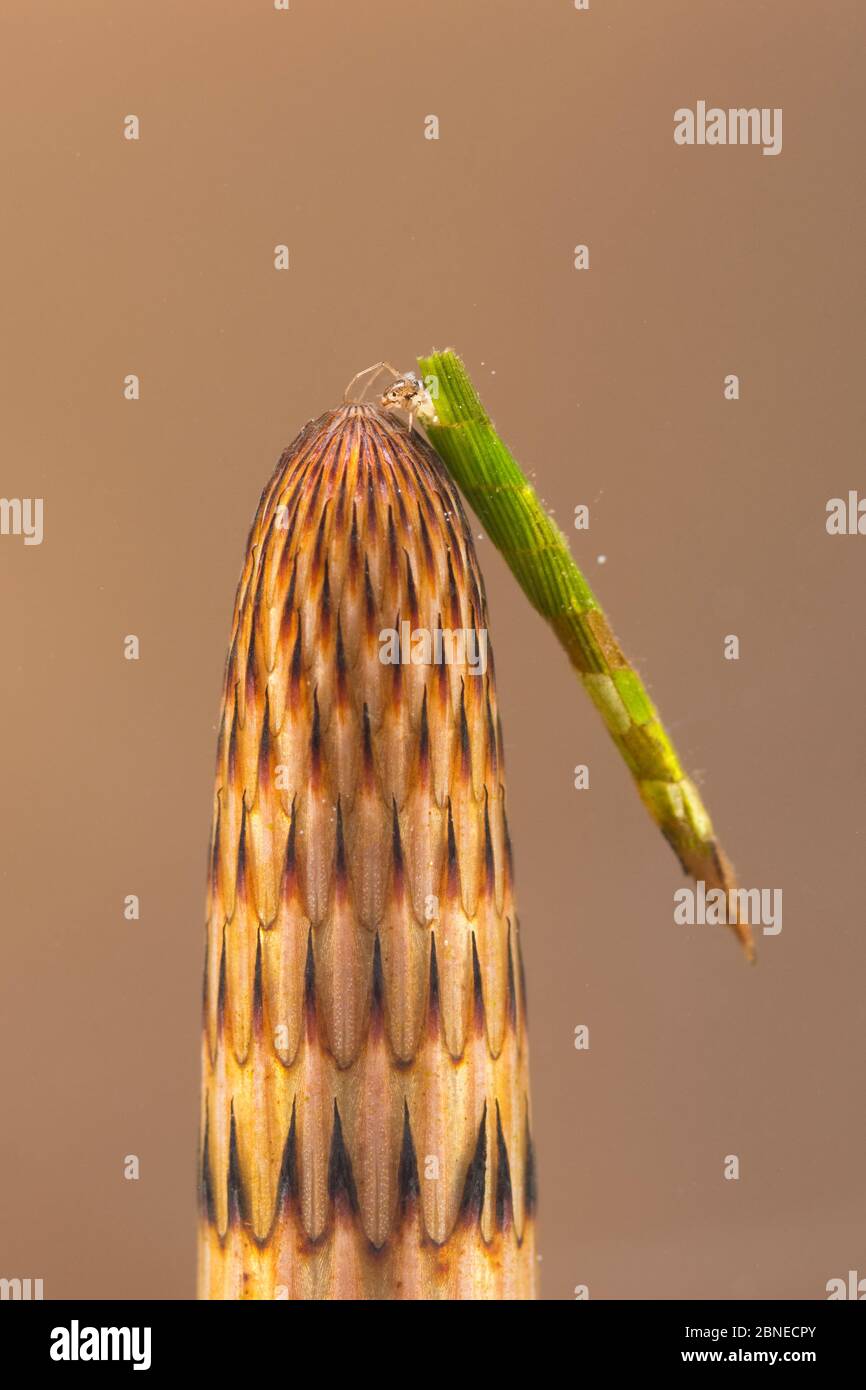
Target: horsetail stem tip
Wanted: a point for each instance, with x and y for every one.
(360, 901)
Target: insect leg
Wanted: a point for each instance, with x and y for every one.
(372, 373)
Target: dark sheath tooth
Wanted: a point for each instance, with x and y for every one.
(341, 1183)
(408, 1182)
(472, 1202)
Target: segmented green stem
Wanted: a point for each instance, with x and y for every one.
(538, 556)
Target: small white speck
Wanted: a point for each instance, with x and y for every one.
(602, 559)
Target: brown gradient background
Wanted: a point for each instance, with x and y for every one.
(156, 258)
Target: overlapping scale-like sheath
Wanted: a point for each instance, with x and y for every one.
(365, 1111)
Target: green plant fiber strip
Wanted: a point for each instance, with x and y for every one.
(538, 556)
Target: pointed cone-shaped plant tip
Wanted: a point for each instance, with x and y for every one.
(366, 1121)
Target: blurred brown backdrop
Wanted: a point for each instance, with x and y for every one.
(155, 257)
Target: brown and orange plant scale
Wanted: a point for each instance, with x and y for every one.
(365, 1108)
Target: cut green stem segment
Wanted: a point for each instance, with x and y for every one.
(538, 556)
